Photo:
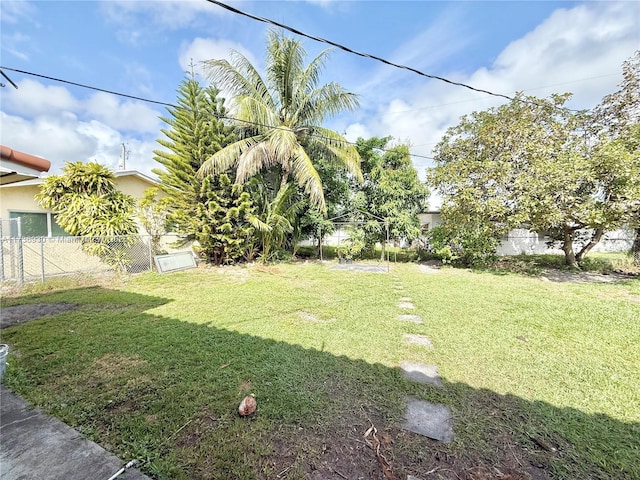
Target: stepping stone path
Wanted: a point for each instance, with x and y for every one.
(418, 340)
(408, 305)
(410, 318)
(429, 419)
(421, 373)
(432, 420)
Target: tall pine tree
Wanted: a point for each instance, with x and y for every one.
(194, 132)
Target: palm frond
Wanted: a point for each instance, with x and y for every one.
(308, 178)
(253, 160)
(227, 157)
(239, 78)
(335, 148)
(258, 224)
(285, 60)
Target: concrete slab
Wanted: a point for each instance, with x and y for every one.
(428, 269)
(360, 267)
(35, 445)
(407, 305)
(429, 419)
(421, 372)
(405, 299)
(410, 318)
(418, 340)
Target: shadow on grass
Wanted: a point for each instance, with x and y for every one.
(166, 392)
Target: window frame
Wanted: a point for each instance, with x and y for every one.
(50, 219)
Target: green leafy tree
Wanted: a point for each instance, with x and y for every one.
(275, 216)
(532, 163)
(195, 131)
(617, 116)
(316, 224)
(153, 214)
(392, 195)
(88, 204)
(280, 118)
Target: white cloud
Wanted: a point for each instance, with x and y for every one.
(12, 44)
(357, 130)
(34, 98)
(583, 45)
(169, 14)
(52, 137)
(63, 138)
(13, 11)
(125, 115)
(200, 49)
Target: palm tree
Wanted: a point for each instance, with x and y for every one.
(280, 117)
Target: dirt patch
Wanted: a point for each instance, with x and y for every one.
(562, 276)
(310, 317)
(115, 365)
(18, 314)
(344, 453)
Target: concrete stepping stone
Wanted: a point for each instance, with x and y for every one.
(418, 340)
(405, 299)
(431, 420)
(408, 305)
(421, 372)
(410, 318)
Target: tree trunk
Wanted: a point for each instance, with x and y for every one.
(384, 243)
(592, 243)
(285, 178)
(635, 248)
(567, 246)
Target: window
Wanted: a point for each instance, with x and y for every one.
(35, 225)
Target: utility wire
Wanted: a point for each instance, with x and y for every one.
(374, 57)
(157, 102)
(354, 52)
(87, 86)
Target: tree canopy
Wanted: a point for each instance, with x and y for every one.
(87, 202)
(532, 162)
(391, 191)
(280, 118)
(210, 210)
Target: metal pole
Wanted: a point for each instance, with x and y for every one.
(150, 254)
(42, 257)
(2, 251)
(386, 225)
(20, 262)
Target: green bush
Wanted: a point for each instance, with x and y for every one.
(472, 247)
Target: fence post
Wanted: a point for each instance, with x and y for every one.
(20, 261)
(42, 257)
(2, 251)
(150, 254)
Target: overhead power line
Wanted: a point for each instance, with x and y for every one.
(354, 52)
(166, 104)
(374, 57)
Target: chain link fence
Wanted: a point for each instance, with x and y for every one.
(32, 259)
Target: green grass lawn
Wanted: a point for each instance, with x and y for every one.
(542, 377)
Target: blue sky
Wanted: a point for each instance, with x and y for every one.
(143, 48)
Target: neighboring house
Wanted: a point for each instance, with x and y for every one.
(522, 241)
(428, 220)
(18, 166)
(17, 200)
